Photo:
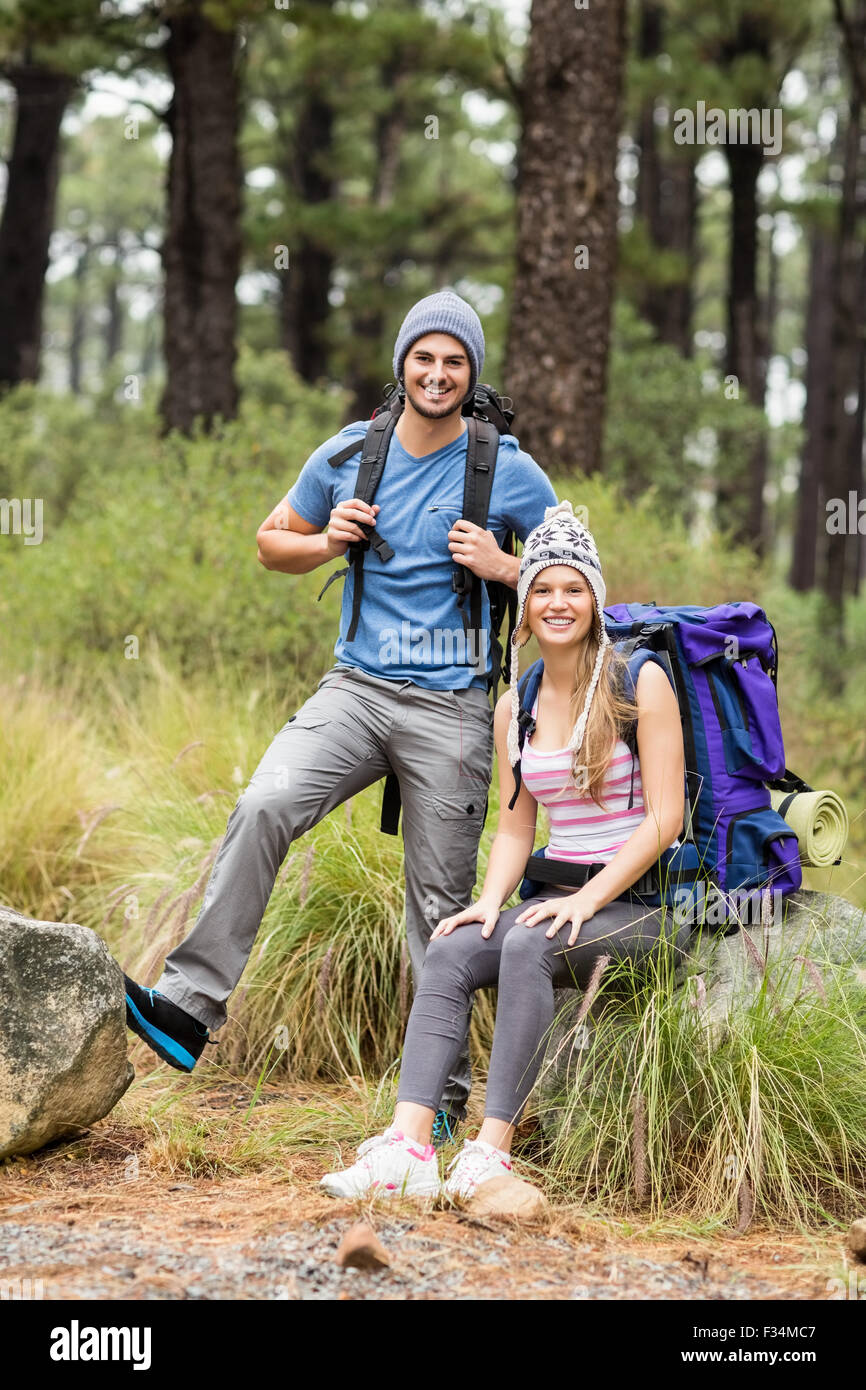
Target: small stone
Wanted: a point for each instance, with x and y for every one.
(857, 1239)
(507, 1196)
(360, 1248)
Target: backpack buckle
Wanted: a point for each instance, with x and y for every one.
(381, 546)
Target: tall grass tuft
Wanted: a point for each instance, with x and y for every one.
(656, 1112)
(53, 800)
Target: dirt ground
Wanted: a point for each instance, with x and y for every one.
(82, 1221)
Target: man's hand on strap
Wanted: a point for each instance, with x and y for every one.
(479, 551)
(343, 527)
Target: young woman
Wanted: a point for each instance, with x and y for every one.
(603, 808)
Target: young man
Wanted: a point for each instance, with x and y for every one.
(406, 694)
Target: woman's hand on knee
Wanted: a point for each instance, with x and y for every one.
(482, 912)
(563, 911)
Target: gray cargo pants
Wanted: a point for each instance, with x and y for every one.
(350, 733)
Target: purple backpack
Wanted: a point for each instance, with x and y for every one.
(722, 664)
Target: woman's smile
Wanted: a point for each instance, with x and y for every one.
(560, 606)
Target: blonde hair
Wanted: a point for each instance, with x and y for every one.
(610, 713)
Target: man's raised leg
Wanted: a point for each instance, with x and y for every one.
(330, 750)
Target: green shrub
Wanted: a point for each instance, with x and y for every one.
(156, 539)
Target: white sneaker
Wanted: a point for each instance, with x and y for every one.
(389, 1165)
(476, 1163)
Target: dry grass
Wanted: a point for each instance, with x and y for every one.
(141, 1169)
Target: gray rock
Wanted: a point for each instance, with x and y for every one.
(63, 1058)
(857, 1239)
(821, 936)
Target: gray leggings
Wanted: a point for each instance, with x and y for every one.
(527, 967)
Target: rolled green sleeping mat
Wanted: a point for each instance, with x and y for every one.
(821, 823)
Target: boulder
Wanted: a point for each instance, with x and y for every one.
(821, 934)
(63, 1061)
(507, 1196)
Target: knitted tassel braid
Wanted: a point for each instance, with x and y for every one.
(513, 735)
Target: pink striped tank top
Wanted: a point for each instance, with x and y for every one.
(579, 829)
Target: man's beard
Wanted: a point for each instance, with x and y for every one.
(428, 411)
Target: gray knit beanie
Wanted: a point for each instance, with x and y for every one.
(443, 312)
(561, 539)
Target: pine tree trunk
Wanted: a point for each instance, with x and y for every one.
(559, 331)
(78, 324)
(114, 311)
(304, 304)
(844, 438)
(150, 350)
(857, 553)
(769, 532)
(844, 423)
(669, 307)
(811, 493)
(667, 202)
(28, 216)
(363, 375)
(201, 252)
(740, 501)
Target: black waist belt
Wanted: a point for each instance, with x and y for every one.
(541, 870)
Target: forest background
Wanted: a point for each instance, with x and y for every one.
(215, 217)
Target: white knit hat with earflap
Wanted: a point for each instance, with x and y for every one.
(561, 539)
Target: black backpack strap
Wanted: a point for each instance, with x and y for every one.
(372, 466)
(487, 404)
(391, 802)
(527, 690)
(482, 451)
(370, 472)
(782, 808)
(789, 782)
(507, 604)
(482, 447)
(352, 448)
(461, 578)
(375, 452)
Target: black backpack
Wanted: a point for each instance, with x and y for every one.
(488, 417)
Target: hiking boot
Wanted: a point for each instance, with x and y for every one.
(174, 1035)
(475, 1164)
(444, 1129)
(390, 1165)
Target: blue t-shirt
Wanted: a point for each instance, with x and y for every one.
(410, 626)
